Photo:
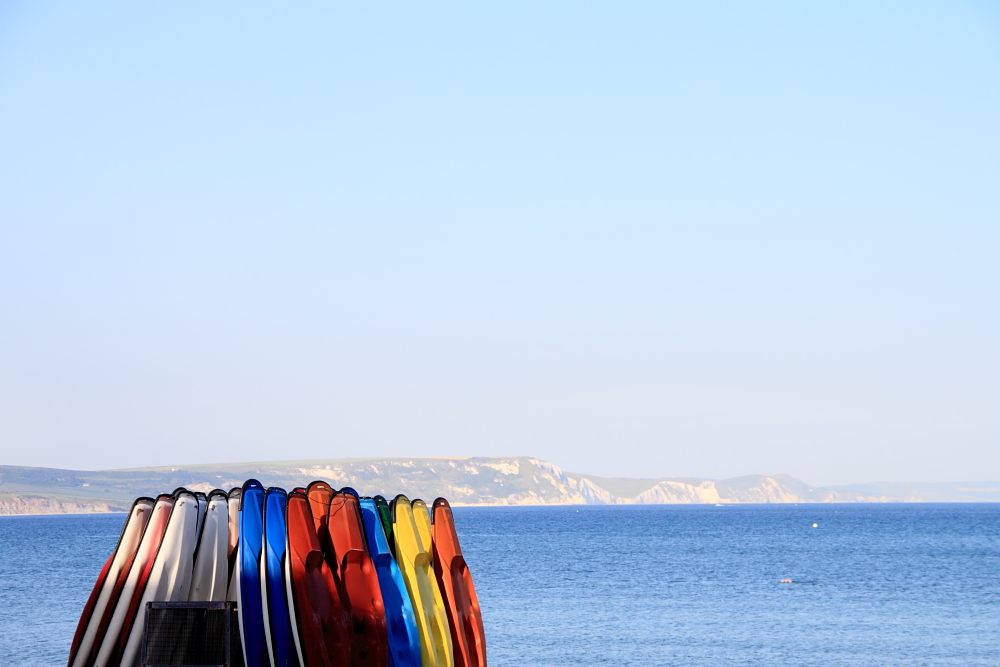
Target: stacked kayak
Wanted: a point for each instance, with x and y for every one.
(320, 578)
(465, 621)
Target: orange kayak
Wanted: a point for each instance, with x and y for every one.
(322, 630)
(468, 637)
(369, 639)
(319, 495)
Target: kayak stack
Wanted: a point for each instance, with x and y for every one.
(320, 578)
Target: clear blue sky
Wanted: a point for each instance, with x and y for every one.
(635, 239)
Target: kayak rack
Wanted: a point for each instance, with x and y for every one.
(191, 634)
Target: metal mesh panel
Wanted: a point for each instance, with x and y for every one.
(236, 646)
(191, 634)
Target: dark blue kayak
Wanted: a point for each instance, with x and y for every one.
(280, 643)
(250, 608)
(404, 640)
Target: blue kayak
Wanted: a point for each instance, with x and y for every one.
(250, 608)
(280, 642)
(404, 640)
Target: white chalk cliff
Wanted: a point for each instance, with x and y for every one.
(514, 480)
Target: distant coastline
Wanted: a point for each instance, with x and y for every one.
(476, 481)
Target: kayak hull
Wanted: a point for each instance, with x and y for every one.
(251, 543)
(385, 514)
(109, 584)
(280, 641)
(321, 622)
(170, 577)
(359, 581)
(465, 619)
(401, 624)
(119, 620)
(414, 562)
(211, 566)
(234, 495)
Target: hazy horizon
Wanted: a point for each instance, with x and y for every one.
(181, 466)
(647, 240)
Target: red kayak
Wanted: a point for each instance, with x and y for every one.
(321, 619)
(319, 495)
(468, 638)
(88, 611)
(109, 584)
(118, 621)
(369, 638)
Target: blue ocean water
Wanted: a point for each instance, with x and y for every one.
(658, 585)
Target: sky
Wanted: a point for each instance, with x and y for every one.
(633, 239)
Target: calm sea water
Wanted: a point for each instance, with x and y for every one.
(662, 585)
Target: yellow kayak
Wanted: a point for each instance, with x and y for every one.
(422, 517)
(413, 555)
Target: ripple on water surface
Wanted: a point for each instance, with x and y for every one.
(659, 585)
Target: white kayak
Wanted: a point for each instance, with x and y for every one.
(211, 564)
(170, 577)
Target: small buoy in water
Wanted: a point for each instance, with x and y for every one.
(815, 525)
(786, 581)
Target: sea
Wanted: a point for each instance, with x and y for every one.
(879, 585)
